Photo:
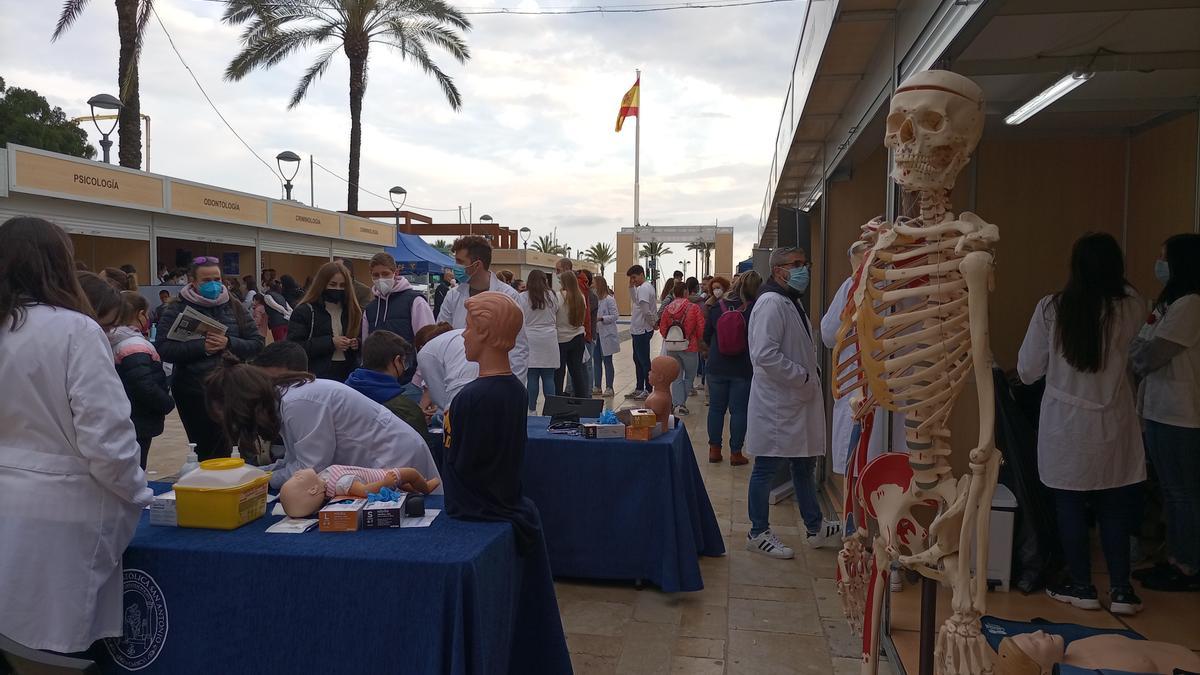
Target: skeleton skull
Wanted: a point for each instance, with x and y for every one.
(934, 124)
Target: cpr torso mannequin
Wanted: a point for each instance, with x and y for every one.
(1036, 653)
(663, 371)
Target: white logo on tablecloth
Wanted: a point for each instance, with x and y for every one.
(145, 623)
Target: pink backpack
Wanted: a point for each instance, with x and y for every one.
(731, 331)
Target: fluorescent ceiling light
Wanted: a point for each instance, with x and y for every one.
(1054, 92)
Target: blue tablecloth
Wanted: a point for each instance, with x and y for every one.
(617, 509)
(451, 598)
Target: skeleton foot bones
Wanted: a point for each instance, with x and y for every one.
(917, 323)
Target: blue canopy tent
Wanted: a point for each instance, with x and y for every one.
(416, 257)
(745, 266)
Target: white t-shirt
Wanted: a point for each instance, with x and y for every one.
(1171, 394)
(444, 367)
(643, 313)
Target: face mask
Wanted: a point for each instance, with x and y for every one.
(460, 275)
(798, 278)
(383, 285)
(211, 290)
(718, 292)
(1162, 271)
(333, 295)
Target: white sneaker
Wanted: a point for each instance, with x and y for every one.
(609, 392)
(681, 411)
(769, 545)
(830, 533)
(896, 581)
(595, 391)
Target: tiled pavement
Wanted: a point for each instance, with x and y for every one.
(755, 615)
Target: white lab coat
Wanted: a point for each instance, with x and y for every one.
(1088, 433)
(843, 416)
(444, 368)
(71, 490)
(606, 326)
(540, 331)
(454, 312)
(325, 422)
(786, 415)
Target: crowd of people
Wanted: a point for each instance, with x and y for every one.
(341, 372)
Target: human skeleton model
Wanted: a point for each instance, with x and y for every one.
(916, 324)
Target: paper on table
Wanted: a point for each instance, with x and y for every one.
(423, 521)
(292, 526)
(278, 510)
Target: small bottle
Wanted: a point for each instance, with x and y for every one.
(234, 453)
(191, 463)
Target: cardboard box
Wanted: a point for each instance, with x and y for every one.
(383, 515)
(604, 431)
(162, 510)
(642, 433)
(343, 514)
(642, 418)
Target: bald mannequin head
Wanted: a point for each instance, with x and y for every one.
(493, 321)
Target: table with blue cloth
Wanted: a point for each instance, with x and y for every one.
(451, 598)
(618, 509)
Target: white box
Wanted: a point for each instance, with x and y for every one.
(162, 510)
(1000, 538)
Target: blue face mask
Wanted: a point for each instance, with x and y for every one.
(798, 278)
(1162, 271)
(211, 289)
(460, 275)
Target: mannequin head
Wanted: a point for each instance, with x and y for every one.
(663, 371)
(493, 321)
(302, 494)
(1030, 654)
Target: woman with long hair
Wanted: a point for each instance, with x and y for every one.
(539, 304)
(1089, 444)
(327, 323)
(194, 359)
(571, 313)
(292, 291)
(1167, 355)
(71, 490)
(682, 328)
(608, 341)
(321, 422)
(729, 374)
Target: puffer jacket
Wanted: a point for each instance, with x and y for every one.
(141, 372)
(191, 362)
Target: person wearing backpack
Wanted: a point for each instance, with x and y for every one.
(729, 369)
(682, 327)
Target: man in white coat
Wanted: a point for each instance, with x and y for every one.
(473, 254)
(787, 408)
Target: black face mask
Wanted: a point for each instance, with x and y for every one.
(333, 295)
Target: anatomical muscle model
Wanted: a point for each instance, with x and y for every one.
(915, 325)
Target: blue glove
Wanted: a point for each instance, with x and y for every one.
(608, 417)
(385, 494)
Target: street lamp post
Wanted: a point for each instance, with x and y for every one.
(292, 160)
(525, 234)
(485, 218)
(104, 102)
(400, 192)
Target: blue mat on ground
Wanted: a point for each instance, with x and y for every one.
(451, 598)
(617, 509)
(996, 629)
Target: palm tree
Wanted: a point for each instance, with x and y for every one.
(702, 248)
(601, 254)
(442, 245)
(652, 252)
(547, 244)
(276, 29)
(132, 16)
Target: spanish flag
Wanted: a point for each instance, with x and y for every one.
(629, 104)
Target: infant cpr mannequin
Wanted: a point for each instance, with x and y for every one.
(1037, 653)
(306, 491)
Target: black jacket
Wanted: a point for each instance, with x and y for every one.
(146, 387)
(718, 363)
(312, 327)
(192, 364)
(439, 296)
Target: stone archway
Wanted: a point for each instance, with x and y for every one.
(630, 238)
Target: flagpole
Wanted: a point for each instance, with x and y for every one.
(637, 156)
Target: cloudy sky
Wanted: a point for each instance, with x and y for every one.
(532, 146)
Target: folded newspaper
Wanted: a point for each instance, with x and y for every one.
(192, 325)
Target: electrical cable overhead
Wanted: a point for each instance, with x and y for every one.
(375, 194)
(212, 105)
(606, 9)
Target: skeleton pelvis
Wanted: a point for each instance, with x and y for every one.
(886, 491)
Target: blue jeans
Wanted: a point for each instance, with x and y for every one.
(759, 495)
(1175, 454)
(599, 360)
(641, 361)
(732, 394)
(1116, 513)
(546, 377)
(688, 362)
